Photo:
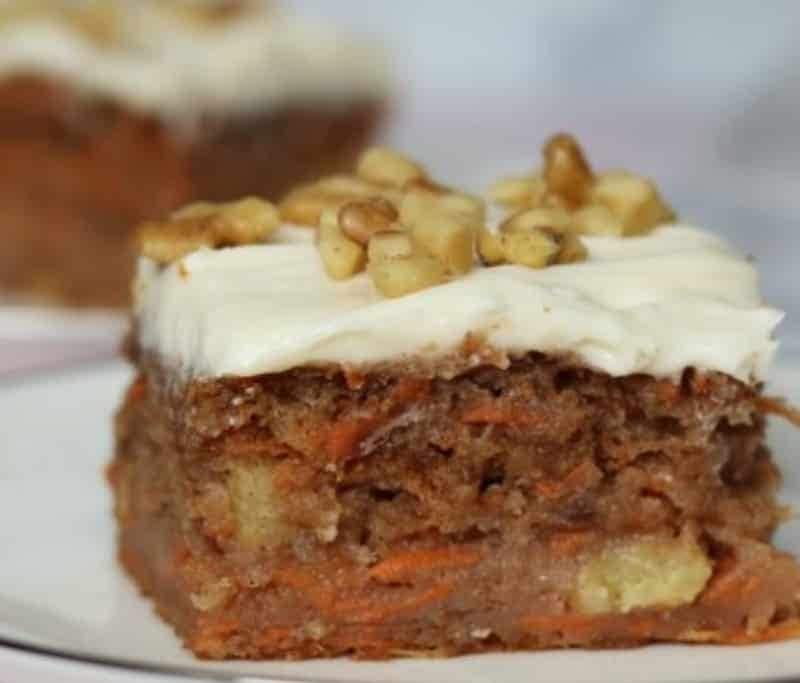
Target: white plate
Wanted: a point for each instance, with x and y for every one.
(61, 591)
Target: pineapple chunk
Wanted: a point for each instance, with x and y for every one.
(642, 572)
(254, 505)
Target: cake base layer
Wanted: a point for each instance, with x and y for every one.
(79, 174)
(321, 512)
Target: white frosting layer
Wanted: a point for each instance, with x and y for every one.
(258, 61)
(657, 304)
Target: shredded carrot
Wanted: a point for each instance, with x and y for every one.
(363, 640)
(785, 631)
(578, 479)
(276, 638)
(572, 625)
(410, 389)
(210, 637)
(492, 413)
(407, 565)
(667, 391)
(309, 585)
(372, 611)
(137, 390)
(180, 554)
(583, 626)
(357, 609)
(730, 585)
(773, 405)
(343, 437)
(569, 543)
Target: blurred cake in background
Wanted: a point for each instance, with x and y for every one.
(112, 112)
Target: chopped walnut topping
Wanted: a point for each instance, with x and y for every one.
(490, 247)
(534, 238)
(360, 220)
(389, 245)
(203, 224)
(384, 166)
(532, 219)
(566, 171)
(398, 276)
(409, 232)
(304, 205)
(617, 203)
(342, 256)
(634, 200)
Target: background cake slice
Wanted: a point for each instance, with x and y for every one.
(116, 112)
(353, 440)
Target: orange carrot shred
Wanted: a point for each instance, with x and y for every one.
(492, 413)
(344, 436)
(408, 565)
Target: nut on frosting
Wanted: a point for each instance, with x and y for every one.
(206, 224)
(615, 203)
(408, 232)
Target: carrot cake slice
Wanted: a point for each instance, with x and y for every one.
(381, 419)
(113, 112)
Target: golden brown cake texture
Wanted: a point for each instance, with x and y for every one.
(482, 502)
(81, 169)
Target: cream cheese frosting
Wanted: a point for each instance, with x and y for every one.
(256, 61)
(678, 297)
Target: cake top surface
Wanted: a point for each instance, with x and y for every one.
(594, 266)
(178, 58)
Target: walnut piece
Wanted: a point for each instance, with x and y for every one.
(203, 224)
(642, 572)
(613, 204)
(490, 247)
(534, 248)
(304, 205)
(341, 256)
(384, 166)
(597, 220)
(361, 219)
(634, 200)
(389, 245)
(535, 238)
(566, 172)
(399, 276)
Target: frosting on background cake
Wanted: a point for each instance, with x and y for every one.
(675, 298)
(155, 59)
